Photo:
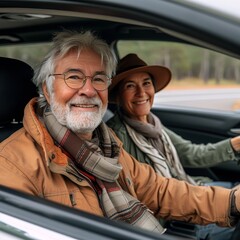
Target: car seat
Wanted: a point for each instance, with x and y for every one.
(16, 89)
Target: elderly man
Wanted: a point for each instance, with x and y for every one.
(65, 153)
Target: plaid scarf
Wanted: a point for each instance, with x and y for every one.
(102, 163)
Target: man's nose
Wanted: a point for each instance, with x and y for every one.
(87, 88)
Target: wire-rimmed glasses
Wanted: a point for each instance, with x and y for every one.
(75, 79)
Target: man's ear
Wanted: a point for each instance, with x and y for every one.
(45, 92)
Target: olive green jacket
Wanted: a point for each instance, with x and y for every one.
(191, 155)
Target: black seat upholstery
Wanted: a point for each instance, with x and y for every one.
(16, 89)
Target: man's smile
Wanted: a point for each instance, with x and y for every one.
(84, 105)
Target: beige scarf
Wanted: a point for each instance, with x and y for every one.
(152, 140)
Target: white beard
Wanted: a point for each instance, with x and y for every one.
(77, 121)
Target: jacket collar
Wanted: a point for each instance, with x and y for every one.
(35, 127)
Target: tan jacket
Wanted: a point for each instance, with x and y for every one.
(26, 164)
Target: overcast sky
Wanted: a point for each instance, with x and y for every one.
(231, 6)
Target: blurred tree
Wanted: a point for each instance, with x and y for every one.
(205, 65)
(185, 61)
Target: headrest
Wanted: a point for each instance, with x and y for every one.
(16, 89)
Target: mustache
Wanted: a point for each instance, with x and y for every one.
(85, 100)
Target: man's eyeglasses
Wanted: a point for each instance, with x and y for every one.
(76, 79)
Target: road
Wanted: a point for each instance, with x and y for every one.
(225, 99)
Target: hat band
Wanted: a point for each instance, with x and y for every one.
(130, 68)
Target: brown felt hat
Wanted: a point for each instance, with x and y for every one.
(131, 63)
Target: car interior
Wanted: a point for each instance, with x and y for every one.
(27, 25)
(19, 74)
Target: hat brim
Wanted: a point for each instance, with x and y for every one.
(160, 74)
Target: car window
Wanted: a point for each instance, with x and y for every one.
(29, 53)
(200, 78)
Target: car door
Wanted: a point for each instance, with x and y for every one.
(204, 126)
(28, 217)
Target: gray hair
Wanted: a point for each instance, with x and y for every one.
(64, 42)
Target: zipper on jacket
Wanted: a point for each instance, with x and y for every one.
(72, 199)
